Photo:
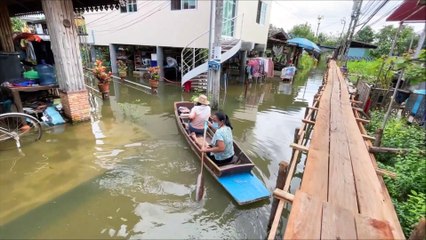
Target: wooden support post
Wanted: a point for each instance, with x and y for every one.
(299, 147)
(284, 195)
(66, 51)
(420, 231)
(6, 33)
(282, 176)
(296, 135)
(379, 134)
(383, 172)
(308, 121)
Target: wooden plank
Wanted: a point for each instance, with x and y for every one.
(337, 223)
(389, 210)
(368, 137)
(370, 228)
(284, 195)
(383, 172)
(369, 191)
(308, 121)
(362, 120)
(299, 147)
(305, 218)
(341, 189)
(315, 180)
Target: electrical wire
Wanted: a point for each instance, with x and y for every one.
(379, 19)
(373, 14)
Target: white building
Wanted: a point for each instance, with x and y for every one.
(165, 27)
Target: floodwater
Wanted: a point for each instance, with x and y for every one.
(128, 173)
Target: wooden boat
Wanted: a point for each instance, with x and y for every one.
(237, 177)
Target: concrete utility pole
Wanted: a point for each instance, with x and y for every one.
(319, 22)
(395, 38)
(214, 76)
(343, 21)
(355, 16)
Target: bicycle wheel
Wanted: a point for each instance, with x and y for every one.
(19, 127)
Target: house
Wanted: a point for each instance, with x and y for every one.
(277, 47)
(145, 33)
(360, 50)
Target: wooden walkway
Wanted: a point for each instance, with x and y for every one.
(342, 195)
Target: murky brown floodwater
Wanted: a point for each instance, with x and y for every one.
(129, 173)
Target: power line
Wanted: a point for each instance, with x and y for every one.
(374, 13)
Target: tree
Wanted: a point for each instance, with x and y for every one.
(384, 38)
(365, 35)
(17, 24)
(328, 40)
(303, 31)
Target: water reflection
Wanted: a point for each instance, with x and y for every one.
(129, 173)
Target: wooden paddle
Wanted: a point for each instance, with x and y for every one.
(199, 192)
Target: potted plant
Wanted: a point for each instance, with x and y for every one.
(104, 78)
(122, 69)
(154, 73)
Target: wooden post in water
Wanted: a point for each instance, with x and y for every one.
(66, 51)
(6, 41)
(282, 176)
(420, 231)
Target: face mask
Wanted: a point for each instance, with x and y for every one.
(215, 125)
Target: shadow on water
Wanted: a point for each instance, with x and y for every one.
(128, 173)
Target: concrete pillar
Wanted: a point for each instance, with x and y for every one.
(160, 61)
(113, 58)
(6, 38)
(66, 51)
(92, 54)
(420, 44)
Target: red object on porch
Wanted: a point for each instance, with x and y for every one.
(28, 36)
(409, 11)
(187, 86)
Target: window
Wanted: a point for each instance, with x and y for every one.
(131, 6)
(261, 12)
(183, 4)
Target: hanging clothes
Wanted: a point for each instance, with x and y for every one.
(31, 56)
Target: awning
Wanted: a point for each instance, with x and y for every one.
(304, 43)
(409, 11)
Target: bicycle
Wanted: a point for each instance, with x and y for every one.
(20, 127)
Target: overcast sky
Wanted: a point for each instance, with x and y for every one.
(287, 13)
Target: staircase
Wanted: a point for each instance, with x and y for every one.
(194, 61)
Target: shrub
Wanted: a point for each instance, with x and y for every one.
(408, 190)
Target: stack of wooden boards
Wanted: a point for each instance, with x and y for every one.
(341, 196)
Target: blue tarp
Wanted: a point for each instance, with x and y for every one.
(304, 43)
(244, 187)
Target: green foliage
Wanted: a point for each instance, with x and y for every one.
(385, 36)
(328, 40)
(306, 62)
(17, 24)
(408, 190)
(377, 72)
(303, 31)
(365, 35)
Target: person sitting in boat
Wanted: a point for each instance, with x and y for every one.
(199, 114)
(221, 149)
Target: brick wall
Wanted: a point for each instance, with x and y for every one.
(76, 105)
